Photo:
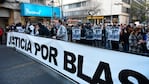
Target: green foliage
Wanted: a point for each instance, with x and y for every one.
(139, 11)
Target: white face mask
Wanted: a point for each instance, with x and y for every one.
(58, 25)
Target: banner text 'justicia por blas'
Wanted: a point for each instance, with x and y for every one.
(81, 63)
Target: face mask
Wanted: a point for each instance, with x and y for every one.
(57, 25)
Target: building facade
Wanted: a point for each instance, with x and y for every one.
(98, 10)
(10, 12)
(138, 10)
(14, 11)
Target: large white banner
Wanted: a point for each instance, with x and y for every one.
(84, 64)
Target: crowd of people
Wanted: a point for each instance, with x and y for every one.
(126, 38)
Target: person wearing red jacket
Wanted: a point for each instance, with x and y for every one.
(1, 35)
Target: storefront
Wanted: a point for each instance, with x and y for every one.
(36, 13)
(4, 17)
(95, 19)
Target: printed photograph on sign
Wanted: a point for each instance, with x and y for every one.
(115, 34)
(109, 30)
(89, 34)
(97, 33)
(76, 33)
(147, 41)
(147, 45)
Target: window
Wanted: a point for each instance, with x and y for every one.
(37, 1)
(78, 4)
(84, 3)
(126, 1)
(125, 10)
(75, 5)
(71, 5)
(66, 7)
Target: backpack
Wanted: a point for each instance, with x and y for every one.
(1, 31)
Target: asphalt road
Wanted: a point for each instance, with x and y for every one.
(15, 68)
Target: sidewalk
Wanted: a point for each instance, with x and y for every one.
(15, 68)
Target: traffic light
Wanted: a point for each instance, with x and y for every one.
(2, 1)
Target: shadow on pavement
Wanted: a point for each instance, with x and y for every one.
(15, 68)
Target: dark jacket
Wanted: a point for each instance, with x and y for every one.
(43, 31)
(125, 36)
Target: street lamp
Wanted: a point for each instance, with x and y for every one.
(111, 12)
(52, 1)
(90, 14)
(61, 6)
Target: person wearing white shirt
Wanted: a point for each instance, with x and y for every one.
(19, 28)
(62, 32)
(32, 30)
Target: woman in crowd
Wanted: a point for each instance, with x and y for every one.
(124, 38)
(135, 41)
(147, 40)
(19, 28)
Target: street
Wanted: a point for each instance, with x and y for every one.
(16, 68)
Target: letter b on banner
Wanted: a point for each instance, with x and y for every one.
(69, 61)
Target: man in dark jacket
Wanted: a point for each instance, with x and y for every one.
(89, 33)
(124, 38)
(43, 31)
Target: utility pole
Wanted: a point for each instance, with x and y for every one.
(52, 7)
(62, 8)
(111, 12)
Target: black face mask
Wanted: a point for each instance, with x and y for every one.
(114, 25)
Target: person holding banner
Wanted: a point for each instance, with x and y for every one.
(135, 41)
(53, 30)
(97, 36)
(124, 38)
(31, 28)
(147, 40)
(19, 28)
(104, 36)
(89, 33)
(43, 31)
(62, 32)
(76, 33)
(12, 27)
(109, 36)
(83, 36)
(115, 37)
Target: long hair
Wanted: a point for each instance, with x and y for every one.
(40, 25)
(60, 21)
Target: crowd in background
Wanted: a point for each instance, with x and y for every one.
(126, 38)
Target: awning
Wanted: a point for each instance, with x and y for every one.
(95, 17)
(39, 10)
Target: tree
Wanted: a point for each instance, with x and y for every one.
(138, 11)
(93, 7)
